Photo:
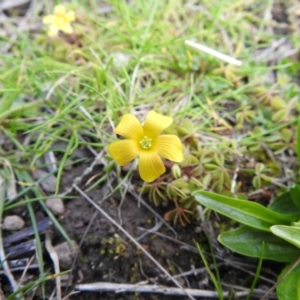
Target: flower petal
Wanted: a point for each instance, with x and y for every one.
(130, 127)
(52, 31)
(123, 151)
(59, 10)
(169, 146)
(67, 28)
(49, 19)
(70, 16)
(150, 166)
(156, 123)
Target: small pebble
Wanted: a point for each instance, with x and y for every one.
(13, 223)
(49, 184)
(66, 254)
(56, 205)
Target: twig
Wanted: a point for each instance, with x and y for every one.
(214, 53)
(123, 287)
(154, 229)
(25, 270)
(83, 194)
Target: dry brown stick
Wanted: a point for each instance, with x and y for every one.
(86, 197)
(147, 288)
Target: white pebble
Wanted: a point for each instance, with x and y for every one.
(13, 223)
(56, 205)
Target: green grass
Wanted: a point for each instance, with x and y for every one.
(71, 90)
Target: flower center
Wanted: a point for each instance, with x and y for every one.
(146, 143)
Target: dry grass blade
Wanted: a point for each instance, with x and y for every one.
(25, 270)
(55, 261)
(11, 190)
(214, 53)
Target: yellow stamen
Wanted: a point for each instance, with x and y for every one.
(146, 143)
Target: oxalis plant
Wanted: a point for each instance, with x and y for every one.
(271, 232)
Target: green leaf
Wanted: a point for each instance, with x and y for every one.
(298, 141)
(289, 287)
(246, 212)
(295, 194)
(24, 109)
(256, 243)
(289, 233)
(285, 205)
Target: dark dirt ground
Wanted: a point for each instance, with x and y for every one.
(103, 257)
(107, 255)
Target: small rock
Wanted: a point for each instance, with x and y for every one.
(13, 223)
(66, 254)
(49, 184)
(56, 205)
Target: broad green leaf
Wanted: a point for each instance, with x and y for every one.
(295, 194)
(246, 212)
(298, 141)
(285, 205)
(289, 233)
(289, 287)
(252, 242)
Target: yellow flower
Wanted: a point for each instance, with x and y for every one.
(144, 142)
(59, 21)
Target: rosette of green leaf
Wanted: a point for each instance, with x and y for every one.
(230, 72)
(259, 169)
(282, 109)
(189, 159)
(186, 128)
(182, 211)
(221, 178)
(245, 212)
(245, 115)
(261, 178)
(257, 243)
(178, 188)
(200, 183)
(285, 142)
(157, 192)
